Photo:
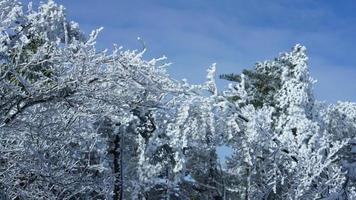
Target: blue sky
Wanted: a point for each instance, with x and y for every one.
(234, 34)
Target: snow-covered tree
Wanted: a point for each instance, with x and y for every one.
(78, 123)
(284, 152)
(340, 121)
(70, 113)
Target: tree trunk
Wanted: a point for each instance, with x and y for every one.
(116, 151)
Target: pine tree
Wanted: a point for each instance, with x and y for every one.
(280, 155)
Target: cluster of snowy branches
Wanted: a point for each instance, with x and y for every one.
(78, 123)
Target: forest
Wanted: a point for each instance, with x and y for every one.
(77, 122)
